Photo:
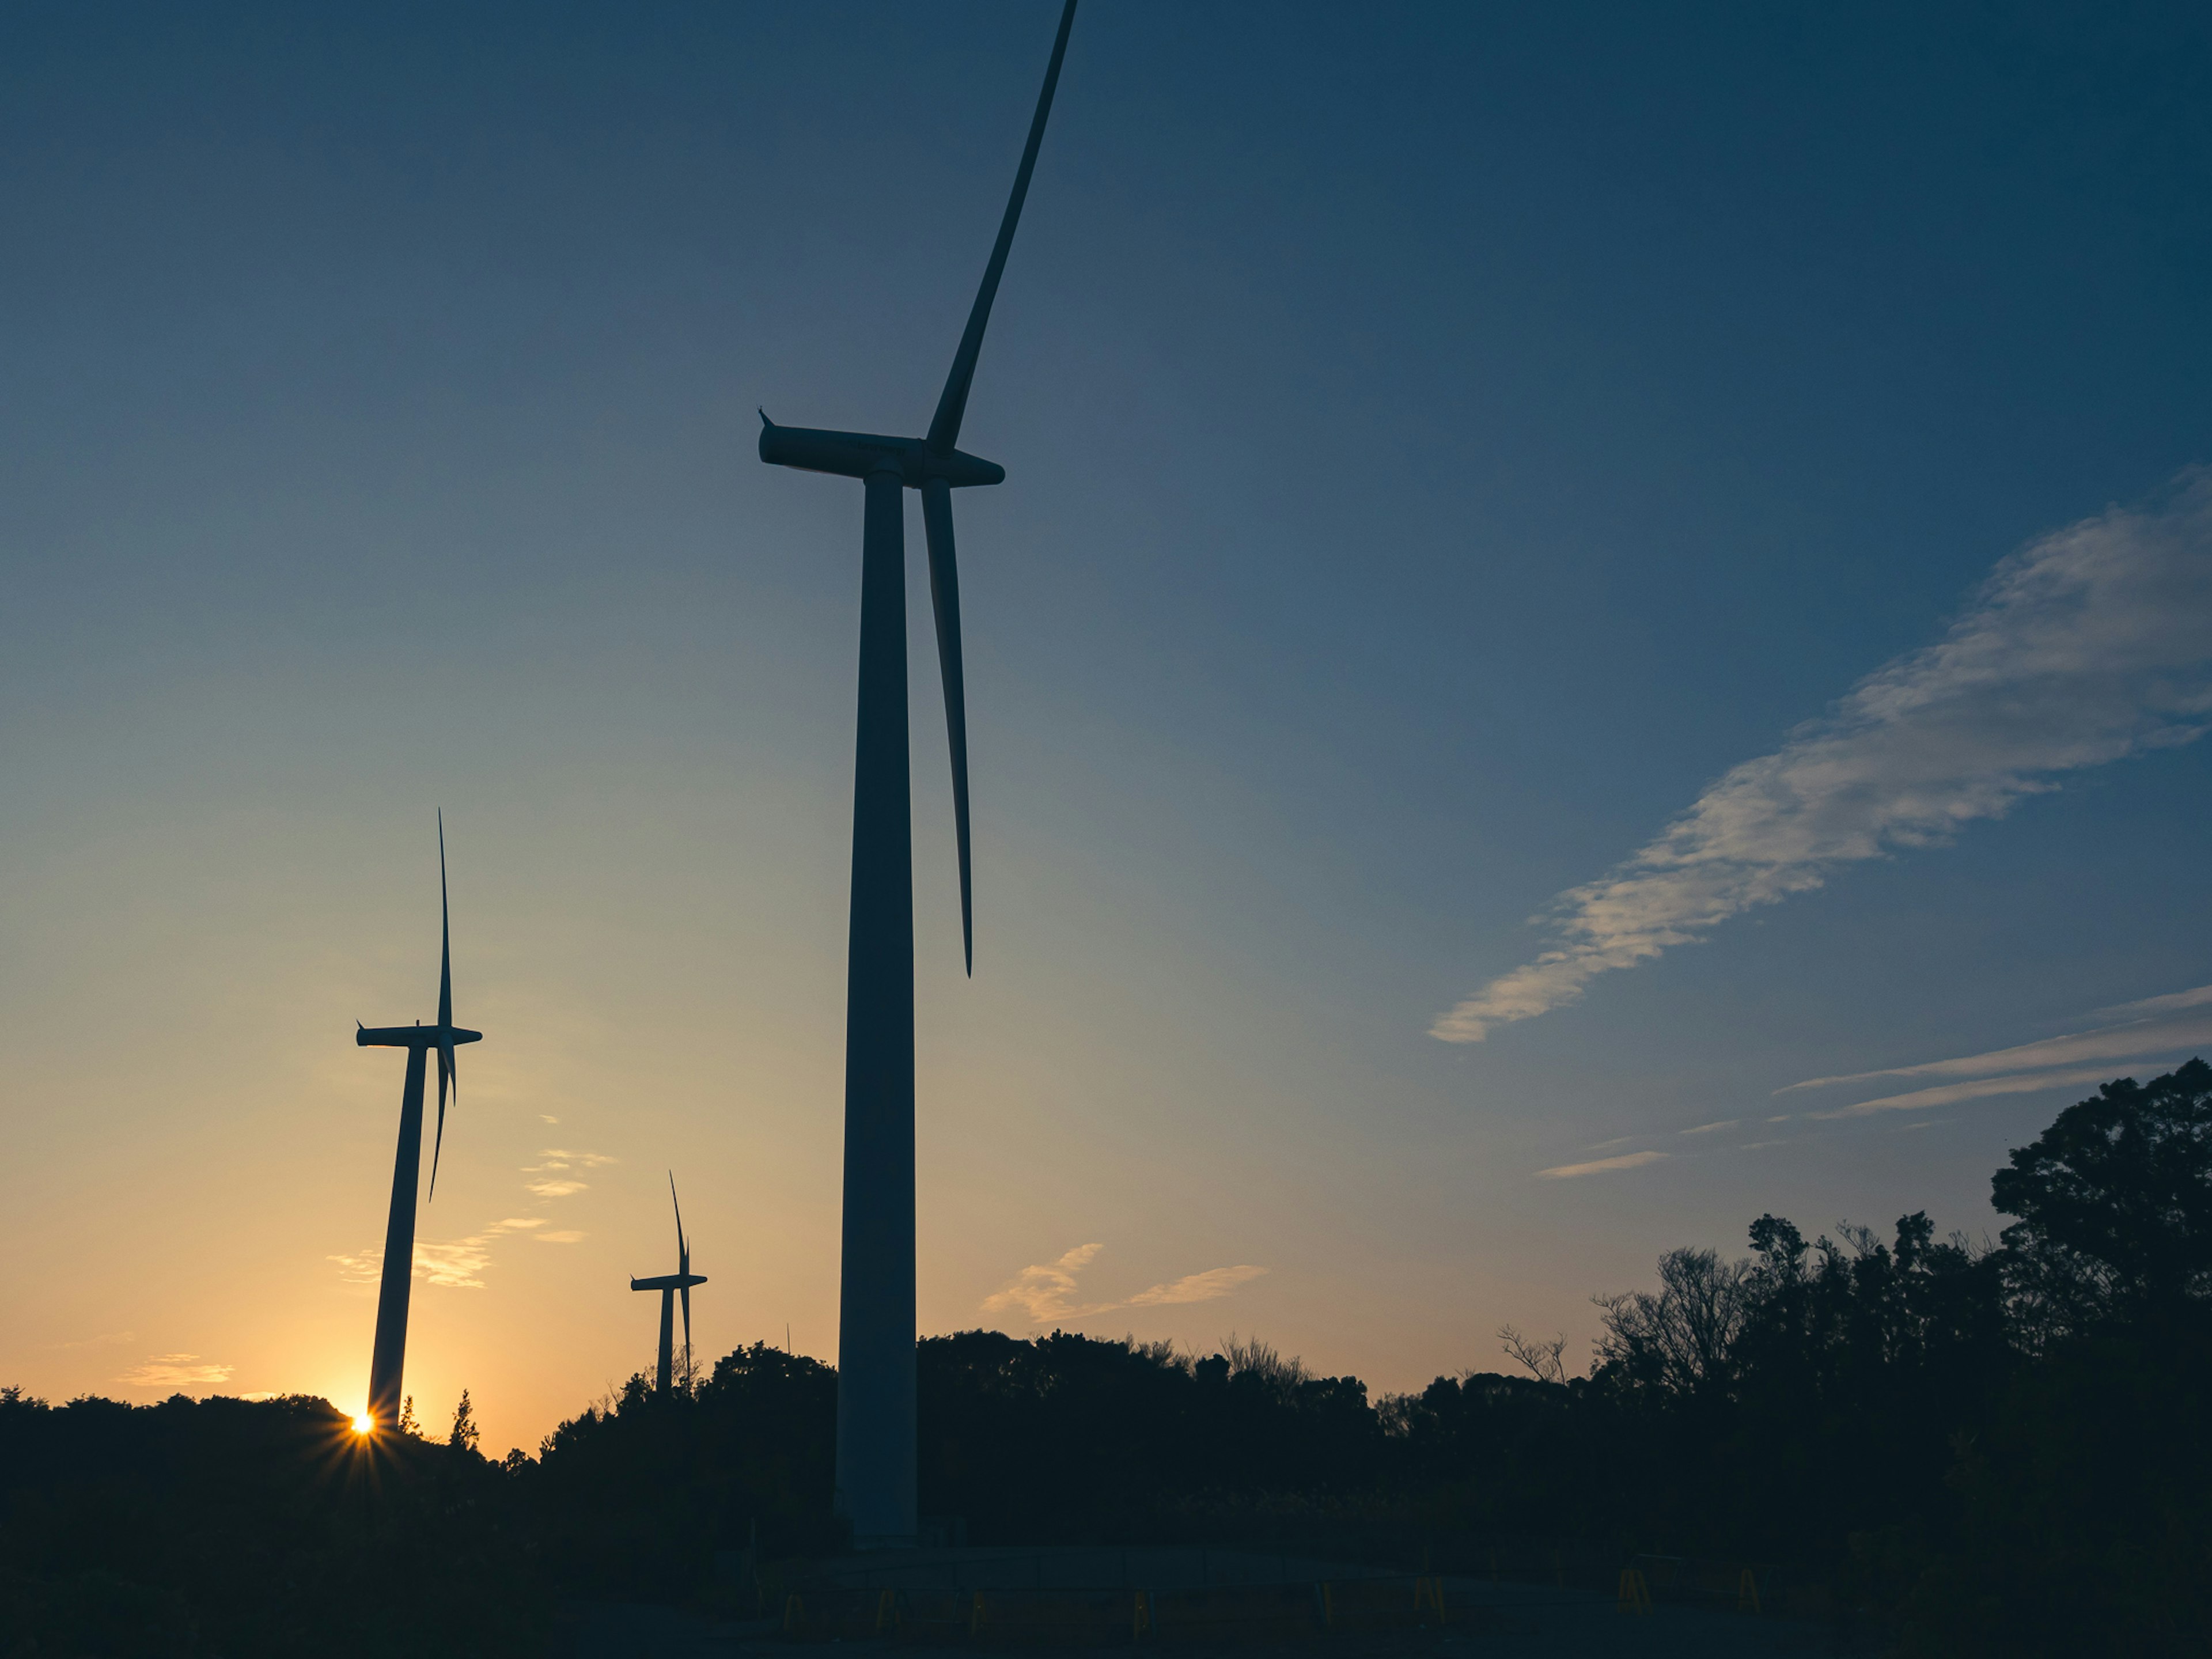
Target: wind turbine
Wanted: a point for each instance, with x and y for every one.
(670, 1286)
(876, 1474)
(389, 1358)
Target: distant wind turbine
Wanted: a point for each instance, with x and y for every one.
(389, 1358)
(670, 1286)
(876, 1471)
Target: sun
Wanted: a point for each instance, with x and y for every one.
(364, 1425)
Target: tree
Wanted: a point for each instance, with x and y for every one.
(1544, 1359)
(1680, 1339)
(407, 1423)
(464, 1438)
(2115, 1199)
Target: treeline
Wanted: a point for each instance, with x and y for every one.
(1994, 1449)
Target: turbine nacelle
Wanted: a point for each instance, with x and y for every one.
(668, 1282)
(414, 1036)
(858, 454)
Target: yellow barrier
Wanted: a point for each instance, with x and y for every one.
(1140, 1617)
(1432, 1591)
(1635, 1594)
(794, 1610)
(1747, 1594)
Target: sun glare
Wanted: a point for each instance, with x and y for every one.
(364, 1425)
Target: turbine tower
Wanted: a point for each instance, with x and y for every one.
(389, 1357)
(670, 1286)
(875, 1472)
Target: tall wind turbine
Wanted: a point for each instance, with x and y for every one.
(876, 1475)
(389, 1358)
(670, 1286)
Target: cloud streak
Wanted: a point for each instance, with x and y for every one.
(2185, 1022)
(452, 1263)
(174, 1370)
(1044, 1290)
(1949, 1094)
(2087, 646)
(2157, 1026)
(1045, 1293)
(1208, 1287)
(1599, 1166)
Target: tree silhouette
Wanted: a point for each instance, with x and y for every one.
(1993, 1453)
(464, 1438)
(2115, 1198)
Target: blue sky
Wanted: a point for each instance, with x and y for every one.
(1446, 446)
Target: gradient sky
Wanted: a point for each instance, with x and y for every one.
(1564, 570)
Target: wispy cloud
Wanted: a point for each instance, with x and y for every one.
(586, 1160)
(1600, 1166)
(558, 1238)
(1950, 1094)
(2087, 646)
(452, 1263)
(543, 1117)
(1208, 1287)
(2168, 1026)
(2158, 1007)
(2180, 1021)
(1709, 1128)
(1045, 1293)
(109, 1340)
(556, 1187)
(174, 1370)
(457, 1264)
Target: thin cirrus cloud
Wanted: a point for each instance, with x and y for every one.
(174, 1370)
(1599, 1166)
(2089, 645)
(557, 1158)
(2167, 1025)
(1210, 1286)
(1045, 1292)
(455, 1264)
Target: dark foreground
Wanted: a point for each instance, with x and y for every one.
(1195, 1604)
(1939, 1447)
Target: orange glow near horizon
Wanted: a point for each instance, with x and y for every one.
(364, 1425)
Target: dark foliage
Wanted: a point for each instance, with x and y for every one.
(1077, 1440)
(246, 1528)
(2115, 1210)
(637, 1495)
(1990, 1450)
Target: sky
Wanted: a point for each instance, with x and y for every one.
(1599, 624)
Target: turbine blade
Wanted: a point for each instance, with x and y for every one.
(445, 934)
(682, 1250)
(445, 1070)
(944, 427)
(945, 600)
